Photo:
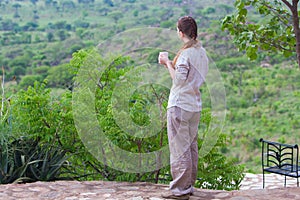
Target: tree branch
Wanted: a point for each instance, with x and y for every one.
(277, 46)
(265, 40)
(275, 12)
(288, 4)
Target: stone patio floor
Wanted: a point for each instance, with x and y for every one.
(251, 189)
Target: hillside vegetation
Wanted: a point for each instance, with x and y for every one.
(38, 39)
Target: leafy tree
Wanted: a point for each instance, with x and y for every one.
(16, 6)
(103, 11)
(60, 25)
(29, 80)
(84, 14)
(41, 70)
(17, 71)
(50, 37)
(48, 3)
(56, 5)
(22, 61)
(81, 24)
(30, 26)
(166, 24)
(116, 15)
(209, 10)
(68, 4)
(8, 25)
(34, 1)
(60, 77)
(135, 13)
(277, 31)
(35, 15)
(109, 2)
(62, 34)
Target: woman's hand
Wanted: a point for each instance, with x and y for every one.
(163, 58)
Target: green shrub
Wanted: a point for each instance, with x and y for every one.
(215, 168)
(44, 137)
(26, 160)
(29, 80)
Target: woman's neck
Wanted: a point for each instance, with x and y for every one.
(186, 40)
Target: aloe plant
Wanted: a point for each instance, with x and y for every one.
(10, 170)
(46, 162)
(25, 160)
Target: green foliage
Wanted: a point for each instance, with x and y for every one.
(21, 61)
(218, 172)
(141, 101)
(270, 31)
(24, 160)
(50, 37)
(39, 137)
(262, 97)
(232, 64)
(267, 108)
(215, 170)
(48, 119)
(42, 137)
(166, 24)
(29, 80)
(18, 70)
(41, 70)
(60, 77)
(209, 10)
(116, 16)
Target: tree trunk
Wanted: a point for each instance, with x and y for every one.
(294, 9)
(296, 28)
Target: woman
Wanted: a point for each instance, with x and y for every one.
(188, 71)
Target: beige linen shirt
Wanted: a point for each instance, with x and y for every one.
(190, 71)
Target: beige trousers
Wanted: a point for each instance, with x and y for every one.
(183, 145)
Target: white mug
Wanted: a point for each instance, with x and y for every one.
(165, 53)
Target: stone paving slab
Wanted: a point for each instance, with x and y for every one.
(272, 181)
(104, 190)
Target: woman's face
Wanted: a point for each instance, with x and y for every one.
(179, 33)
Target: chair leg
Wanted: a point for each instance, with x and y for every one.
(297, 182)
(263, 179)
(284, 181)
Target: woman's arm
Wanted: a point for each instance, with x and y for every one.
(164, 60)
(170, 67)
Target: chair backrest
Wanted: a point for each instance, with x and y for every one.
(278, 155)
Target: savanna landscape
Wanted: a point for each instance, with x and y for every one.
(44, 44)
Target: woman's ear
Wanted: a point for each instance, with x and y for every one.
(180, 34)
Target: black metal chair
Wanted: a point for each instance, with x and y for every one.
(280, 159)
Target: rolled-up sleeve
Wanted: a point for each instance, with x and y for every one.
(181, 70)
